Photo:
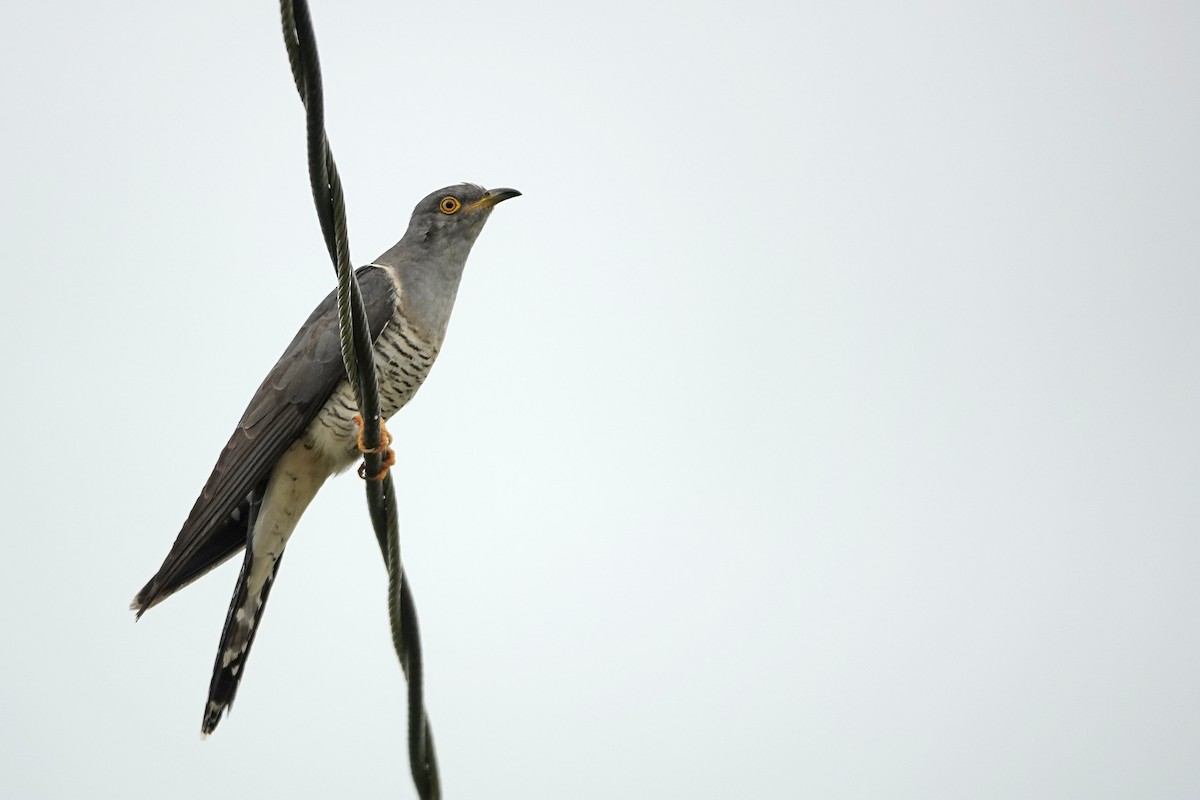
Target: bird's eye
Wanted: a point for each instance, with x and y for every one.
(449, 205)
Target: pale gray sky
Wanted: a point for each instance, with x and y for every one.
(821, 423)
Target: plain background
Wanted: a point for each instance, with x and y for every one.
(822, 422)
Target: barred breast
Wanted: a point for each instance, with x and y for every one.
(403, 358)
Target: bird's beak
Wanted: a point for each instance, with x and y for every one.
(492, 197)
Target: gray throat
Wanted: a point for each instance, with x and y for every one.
(428, 279)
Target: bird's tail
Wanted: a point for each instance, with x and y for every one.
(241, 624)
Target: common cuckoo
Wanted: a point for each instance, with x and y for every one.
(300, 427)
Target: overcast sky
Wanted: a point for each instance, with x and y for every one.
(821, 422)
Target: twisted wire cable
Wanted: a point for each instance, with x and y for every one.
(358, 355)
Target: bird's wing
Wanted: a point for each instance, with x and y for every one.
(287, 401)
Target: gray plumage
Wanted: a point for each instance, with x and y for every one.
(298, 429)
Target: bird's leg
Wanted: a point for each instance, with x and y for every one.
(384, 448)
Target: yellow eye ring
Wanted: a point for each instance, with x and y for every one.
(449, 205)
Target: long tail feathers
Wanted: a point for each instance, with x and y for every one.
(241, 624)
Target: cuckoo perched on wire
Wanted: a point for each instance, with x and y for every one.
(302, 426)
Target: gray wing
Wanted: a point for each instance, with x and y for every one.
(287, 401)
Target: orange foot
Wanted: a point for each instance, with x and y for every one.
(389, 461)
(384, 448)
(384, 436)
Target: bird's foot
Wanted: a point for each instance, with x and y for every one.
(384, 448)
(385, 438)
(389, 461)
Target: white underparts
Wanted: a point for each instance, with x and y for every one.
(293, 484)
(403, 359)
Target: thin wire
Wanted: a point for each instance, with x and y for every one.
(358, 355)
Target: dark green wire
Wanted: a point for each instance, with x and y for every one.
(358, 355)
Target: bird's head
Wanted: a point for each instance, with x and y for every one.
(429, 259)
(451, 218)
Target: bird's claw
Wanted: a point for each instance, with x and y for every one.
(389, 461)
(384, 448)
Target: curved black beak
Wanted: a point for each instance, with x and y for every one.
(493, 196)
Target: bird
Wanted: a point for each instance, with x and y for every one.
(300, 427)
